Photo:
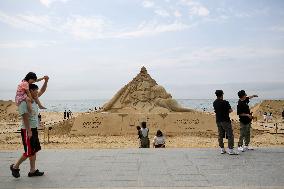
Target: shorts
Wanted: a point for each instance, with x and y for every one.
(20, 98)
(31, 145)
(160, 146)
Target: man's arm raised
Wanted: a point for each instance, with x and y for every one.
(44, 86)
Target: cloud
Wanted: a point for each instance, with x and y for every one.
(86, 27)
(28, 22)
(26, 44)
(154, 28)
(277, 28)
(177, 14)
(230, 12)
(148, 4)
(183, 58)
(196, 8)
(211, 54)
(199, 10)
(81, 27)
(48, 3)
(157, 9)
(162, 12)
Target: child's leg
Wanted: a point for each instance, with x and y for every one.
(39, 103)
(29, 104)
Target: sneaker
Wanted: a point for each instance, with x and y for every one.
(241, 149)
(15, 172)
(36, 173)
(232, 152)
(223, 151)
(248, 148)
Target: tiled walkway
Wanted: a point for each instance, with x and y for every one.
(149, 168)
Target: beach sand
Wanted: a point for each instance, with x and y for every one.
(263, 134)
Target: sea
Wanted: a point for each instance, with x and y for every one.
(91, 104)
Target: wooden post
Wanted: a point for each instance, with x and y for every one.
(44, 135)
(276, 127)
(48, 135)
(49, 128)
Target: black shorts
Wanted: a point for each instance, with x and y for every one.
(31, 145)
(160, 146)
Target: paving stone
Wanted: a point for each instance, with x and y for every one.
(149, 168)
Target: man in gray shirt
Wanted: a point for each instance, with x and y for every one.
(29, 132)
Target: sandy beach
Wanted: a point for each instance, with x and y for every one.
(263, 134)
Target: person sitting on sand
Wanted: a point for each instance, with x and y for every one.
(145, 142)
(23, 93)
(265, 117)
(159, 140)
(139, 135)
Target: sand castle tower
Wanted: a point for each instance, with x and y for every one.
(143, 95)
(142, 99)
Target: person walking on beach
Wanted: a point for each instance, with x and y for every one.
(223, 109)
(29, 133)
(65, 114)
(245, 117)
(70, 113)
(145, 142)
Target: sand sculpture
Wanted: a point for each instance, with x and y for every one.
(143, 94)
(269, 106)
(142, 99)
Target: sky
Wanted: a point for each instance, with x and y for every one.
(92, 48)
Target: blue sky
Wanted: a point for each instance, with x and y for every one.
(92, 48)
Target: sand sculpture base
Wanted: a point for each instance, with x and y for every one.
(105, 123)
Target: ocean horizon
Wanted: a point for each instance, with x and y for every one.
(90, 104)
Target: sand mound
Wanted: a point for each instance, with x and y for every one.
(143, 95)
(274, 106)
(61, 128)
(8, 111)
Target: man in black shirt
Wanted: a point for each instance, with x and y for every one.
(245, 118)
(223, 109)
